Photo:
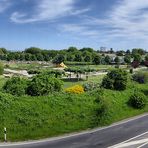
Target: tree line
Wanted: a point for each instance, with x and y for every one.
(72, 54)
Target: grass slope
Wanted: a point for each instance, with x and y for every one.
(40, 117)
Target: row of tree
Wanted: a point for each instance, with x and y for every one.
(72, 54)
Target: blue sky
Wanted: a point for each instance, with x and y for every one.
(58, 24)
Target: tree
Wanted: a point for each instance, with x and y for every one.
(138, 51)
(3, 57)
(146, 57)
(51, 53)
(120, 53)
(97, 60)
(107, 59)
(59, 59)
(16, 56)
(69, 57)
(46, 57)
(22, 57)
(87, 49)
(10, 56)
(146, 60)
(137, 60)
(3, 51)
(72, 49)
(128, 52)
(33, 50)
(39, 57)
(137, 57)
(78, 57)
(87, 58)
(117, 60)
(115, 79)
(135, 64)
(44, 84)
(127, 59)
(33, 57)
(28, 57)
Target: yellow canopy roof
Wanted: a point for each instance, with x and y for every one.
(63, 65)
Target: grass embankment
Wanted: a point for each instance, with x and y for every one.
(2, 81)
(39, 117)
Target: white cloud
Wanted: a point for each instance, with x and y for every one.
(47, 10)
(4, 4)
(129, 18)
(78, 29)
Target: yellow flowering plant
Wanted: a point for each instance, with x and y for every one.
(77, 89)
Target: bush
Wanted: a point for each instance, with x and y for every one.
(1, 69)
(90, 86)
(137, 100)
(116, 79)
(131, 70)
(44, 84)
(141, 77)
(7, 66)
(77, 89)
(107, 83)
(102, 106)
(16, 86)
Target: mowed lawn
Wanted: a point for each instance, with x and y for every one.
(72, 82)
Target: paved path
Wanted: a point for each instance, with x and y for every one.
(129, 133)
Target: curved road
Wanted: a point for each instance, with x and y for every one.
(98, 138)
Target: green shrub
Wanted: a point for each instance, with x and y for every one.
(102, 106)
(7, 66)
(137, 100)
(131, 70)
(1, 69)
(116, 79)
(16, 86)
(101, 109)
(141, 77)
(44, 84)
(90, 86)
(107, 83)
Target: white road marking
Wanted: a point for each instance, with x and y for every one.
(125, 143)
(132, 143)
(143, 145)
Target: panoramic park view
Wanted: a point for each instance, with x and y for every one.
(66, 83)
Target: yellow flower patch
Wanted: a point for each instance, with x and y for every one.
(77, 89)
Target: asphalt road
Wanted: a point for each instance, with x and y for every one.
(99, 138)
